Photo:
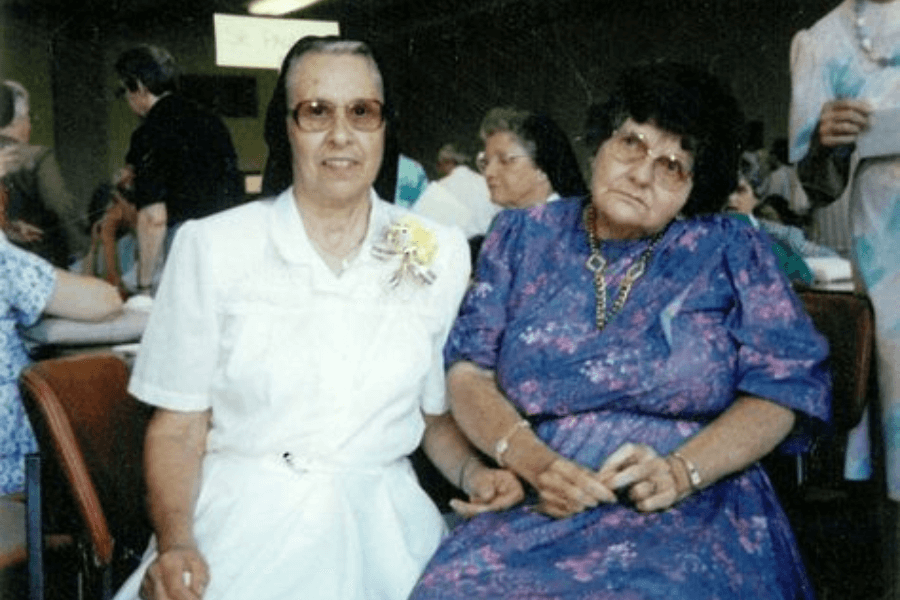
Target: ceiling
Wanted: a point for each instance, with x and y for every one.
(136, 10)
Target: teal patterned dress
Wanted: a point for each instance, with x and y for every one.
(828, 63)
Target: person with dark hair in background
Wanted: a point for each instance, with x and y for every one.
(43, 216)
(527, 159)
(631, 356)
(181, 163)
(294, 355)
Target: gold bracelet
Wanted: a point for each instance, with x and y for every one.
(502, 444)
(462, 471)
(694, 478)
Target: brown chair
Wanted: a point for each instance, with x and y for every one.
(88, 474)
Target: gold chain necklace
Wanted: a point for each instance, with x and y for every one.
(596, 263)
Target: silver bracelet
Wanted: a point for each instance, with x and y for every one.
(502, 444)
(693, 473)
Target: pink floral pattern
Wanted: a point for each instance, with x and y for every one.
(712, 317)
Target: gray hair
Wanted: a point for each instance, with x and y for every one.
(20, 99)
(510, 120)
(337, 47)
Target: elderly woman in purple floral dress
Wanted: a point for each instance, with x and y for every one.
(631, 357)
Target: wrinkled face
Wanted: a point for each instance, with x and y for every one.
(742, 199)
(636, 198)
(512, 177)
(336, 166)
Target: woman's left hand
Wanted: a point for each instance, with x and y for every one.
(489, 490)
(645, 476)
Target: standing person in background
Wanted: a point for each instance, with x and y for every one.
(43, 216)
(181, 163)
(845, 74)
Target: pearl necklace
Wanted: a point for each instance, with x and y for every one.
(596, 263)
(864, 39)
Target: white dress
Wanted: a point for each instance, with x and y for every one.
(317, 384)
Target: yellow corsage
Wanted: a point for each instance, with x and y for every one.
(415, 246)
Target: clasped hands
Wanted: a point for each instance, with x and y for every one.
(634, 473)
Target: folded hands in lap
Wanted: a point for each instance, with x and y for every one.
(634, 473)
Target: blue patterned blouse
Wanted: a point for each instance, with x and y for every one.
(27, 283)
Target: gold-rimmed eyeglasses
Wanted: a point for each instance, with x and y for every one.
(320, 115)
(670, 171)
(482, 161)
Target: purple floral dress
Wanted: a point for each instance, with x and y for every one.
(712, 317)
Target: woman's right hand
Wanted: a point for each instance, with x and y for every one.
(841, 121)
(179, 573)
(567, 488)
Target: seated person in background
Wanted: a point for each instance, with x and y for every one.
(110, 257)
(789, 242)
(43, 217)
(294, 357)
(181, 163)
(632, 356)
(460, 198)
(467, 186)
(527, 159)
(29, 286)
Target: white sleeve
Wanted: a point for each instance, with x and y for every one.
(456, 268)
(179, 348)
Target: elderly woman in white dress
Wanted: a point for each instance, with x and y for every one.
(295, 357)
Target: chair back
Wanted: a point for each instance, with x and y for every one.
(848, 323)
(93, 430)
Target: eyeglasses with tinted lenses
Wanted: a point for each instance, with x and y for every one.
(482, 161)
(670, 171)
(320, 115)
